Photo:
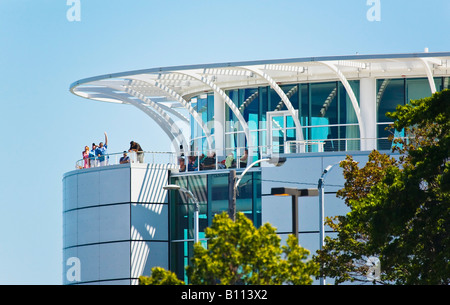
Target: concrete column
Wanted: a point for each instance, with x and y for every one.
(368, 107)
(219, 125)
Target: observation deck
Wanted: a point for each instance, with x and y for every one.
(202, 161)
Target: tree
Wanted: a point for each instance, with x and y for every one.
(399, 207)
(239, 253)
(160, 276)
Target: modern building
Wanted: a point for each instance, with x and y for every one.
(119, 222)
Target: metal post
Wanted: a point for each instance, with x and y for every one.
(321, 187)
(321, 220)
(321, 213)
(295, 215)
(232, 194)
(294, 193)
(233, 182)
(196, 216)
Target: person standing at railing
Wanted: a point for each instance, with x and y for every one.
(86, 157)
(139, 151)
(124, 159)
(92, 158)
(100, 152)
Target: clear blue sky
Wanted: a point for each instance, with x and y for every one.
(44, 127)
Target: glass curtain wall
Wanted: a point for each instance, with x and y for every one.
(328, 116)
(349, 127)
(325, 112)
(211, 192)
(182, 220)
(324, 109)
(282, 127)
(204, 105)
(393, 92)
(247, 101)
(254, 104)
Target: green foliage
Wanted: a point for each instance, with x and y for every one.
(400, 209)
(160, 276)
(238, 253)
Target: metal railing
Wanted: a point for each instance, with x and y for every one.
(133, 157)
(231, 157)
(342, 144)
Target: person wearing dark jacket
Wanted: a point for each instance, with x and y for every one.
(135, 147)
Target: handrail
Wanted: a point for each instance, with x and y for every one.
(200, 161)
(114, 159)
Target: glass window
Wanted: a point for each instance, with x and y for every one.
(244, 196)
(198, 186)
(183, 209)
(212, 193)
(323, 109)
(282, 130)
(275, 101)
(248, 103)
(394, 92)
(218, 195)
(277, 141)
(446, 83)
(324, 103)
(257, 219)
(391, 92)
(204, 106)
(180, 253)
(278, 122)
(202, 110)
(346, 111)
(292, 92)
(210, 110)
(182, 219)
(263, 104)
(439, 81)
(418, 88)
(249, 106)
(346, 137)
(178, 205)
(304, 111)
(194, 127)
(231, 119)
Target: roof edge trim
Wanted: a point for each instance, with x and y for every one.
(259, 62)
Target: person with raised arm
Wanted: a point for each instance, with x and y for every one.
(101, 150)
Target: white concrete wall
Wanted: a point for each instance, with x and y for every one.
(115, 222)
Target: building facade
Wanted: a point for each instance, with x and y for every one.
(223, 117)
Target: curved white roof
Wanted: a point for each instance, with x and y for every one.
(162, 92)
(166, 85)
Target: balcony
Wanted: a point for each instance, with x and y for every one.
(134, 158)
(234, 158)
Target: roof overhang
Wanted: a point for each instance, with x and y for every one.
(231, 75)
(161, 92)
